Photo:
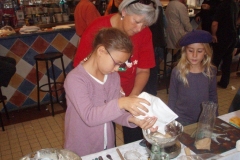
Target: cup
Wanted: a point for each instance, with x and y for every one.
(47, 19)
(50, 10)
(45, 10)
(56, 10)
(37, 10)
(65, 17)
(58, 17)
(28, 10)
(43, 19)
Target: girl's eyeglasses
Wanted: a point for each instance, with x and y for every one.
(122, 67)
(146, 2)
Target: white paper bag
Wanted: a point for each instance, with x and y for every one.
(158, 109)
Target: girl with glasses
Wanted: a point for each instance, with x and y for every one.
(133, 19)
(93, 94)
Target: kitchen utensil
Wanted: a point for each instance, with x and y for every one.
(109, 156)
(173, 130)
(120, 154)
(169, 142)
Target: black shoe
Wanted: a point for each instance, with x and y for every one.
(238, 74)
(221, 86)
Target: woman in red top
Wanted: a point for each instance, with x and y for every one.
(133, 18)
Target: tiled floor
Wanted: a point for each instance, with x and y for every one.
(20, 139)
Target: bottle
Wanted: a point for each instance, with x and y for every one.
(63, 6)
(61, 3)
(157, 153)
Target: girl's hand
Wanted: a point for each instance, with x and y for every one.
(132, 105)
(146, 123)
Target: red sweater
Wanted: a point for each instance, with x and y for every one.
(143, 54)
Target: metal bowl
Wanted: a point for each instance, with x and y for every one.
(173, 130)
(52, 154)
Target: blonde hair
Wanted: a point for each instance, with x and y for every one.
(150, 13)
(183, 65)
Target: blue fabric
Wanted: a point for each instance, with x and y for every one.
(195, 36)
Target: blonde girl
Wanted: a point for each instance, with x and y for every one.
(193, 80)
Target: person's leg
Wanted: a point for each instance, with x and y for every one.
(132, 134)
(218, 52)
(226, 67)
(152, 85)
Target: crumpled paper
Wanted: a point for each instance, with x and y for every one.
(158, 109)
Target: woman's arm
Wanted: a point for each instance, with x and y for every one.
(185, 20)
(141, 79)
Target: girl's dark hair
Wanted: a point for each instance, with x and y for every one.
(113, 39)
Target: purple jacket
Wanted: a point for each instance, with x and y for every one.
(90, 105)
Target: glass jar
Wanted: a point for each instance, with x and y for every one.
(157, 153)
(205, 125)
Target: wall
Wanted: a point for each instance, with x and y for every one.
(22, 90)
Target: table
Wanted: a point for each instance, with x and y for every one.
(142, 150)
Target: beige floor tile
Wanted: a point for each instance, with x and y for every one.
(16, 155)
(6, 152)
(7, 157)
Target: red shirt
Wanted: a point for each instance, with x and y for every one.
(143, 54)
(84, 14)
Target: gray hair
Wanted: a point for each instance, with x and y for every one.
(151, 14)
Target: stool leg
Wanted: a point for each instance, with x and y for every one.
(64, 74)
(1, 121)
(38, 94)
(54, 82)
(63, 68)
(50, 89)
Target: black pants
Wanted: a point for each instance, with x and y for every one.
(132, 134)
(222, 51)
(7, 70)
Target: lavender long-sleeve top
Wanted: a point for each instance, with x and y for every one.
(90, 105)
(186, 101)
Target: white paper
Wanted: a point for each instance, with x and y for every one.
(158, 109)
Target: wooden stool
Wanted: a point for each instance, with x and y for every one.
(49, 57)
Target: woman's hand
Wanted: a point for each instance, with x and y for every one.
(215, 40)
(146, 123)
(132, 104)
